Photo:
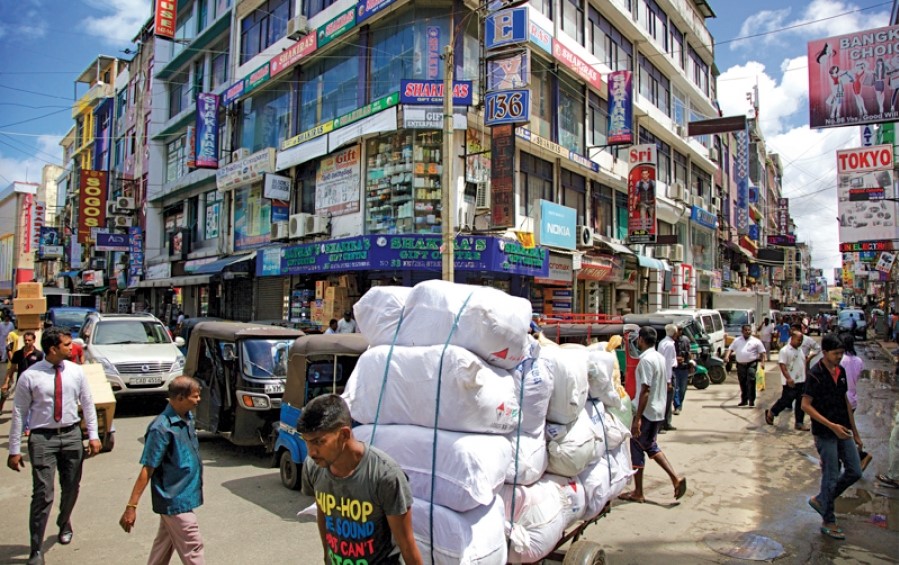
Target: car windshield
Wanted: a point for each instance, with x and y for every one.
(69, 318)
(734, 317)
(265, 358)
(122, 332)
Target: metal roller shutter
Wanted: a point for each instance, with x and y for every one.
(238, 305)
(271, 293)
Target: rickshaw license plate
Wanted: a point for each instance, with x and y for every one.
(146, 381)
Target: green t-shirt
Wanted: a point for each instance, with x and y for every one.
(356, 507)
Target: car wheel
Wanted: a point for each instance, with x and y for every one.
(289, 471)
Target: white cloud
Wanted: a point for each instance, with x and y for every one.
(778, 102)
(821, 18)
(15, 166)
(122, 24)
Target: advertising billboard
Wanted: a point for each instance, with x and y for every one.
(621, 108)
(852, 78)
(859, 170)
(164, 22)
(207, 131)
(337, 183)
(91, 203)
(641, 194)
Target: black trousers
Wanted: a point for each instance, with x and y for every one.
(669, 402)
(746, 377)
(49, 452)
(791, 395)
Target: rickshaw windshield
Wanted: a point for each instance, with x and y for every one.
(264, 358)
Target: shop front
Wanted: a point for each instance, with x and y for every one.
(597, 278)
(400, 260)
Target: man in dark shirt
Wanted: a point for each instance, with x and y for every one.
(20, 361)
(833, 427)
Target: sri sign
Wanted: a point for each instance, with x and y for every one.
(641, 194)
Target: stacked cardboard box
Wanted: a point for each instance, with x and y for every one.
(29, 305)
(333, 297)
(104, 399)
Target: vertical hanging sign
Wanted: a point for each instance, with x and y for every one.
(206, 130)
(502, 174)
(641, 194)
(91, 203)
(741, 175)
(164, 22)
(621, 108)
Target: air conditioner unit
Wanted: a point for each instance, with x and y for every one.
(239, 154)
(316, 225)
(661, 251)
(280, 230)
(585, 237)
(677, 191)
(716, 203)
(111, 209)
(297, 27)
(680, 130)
(699, 202)
(677, 253)
(482, 197)
(122, 221)
(296, 227)
(714, 154)
(124, 203)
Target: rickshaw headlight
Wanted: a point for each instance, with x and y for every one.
(257, 402)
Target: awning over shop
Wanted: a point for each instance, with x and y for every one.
(175, 282)
(616, 247)
(738, 249)
(651, 263)
(217, 267)
(100, 290)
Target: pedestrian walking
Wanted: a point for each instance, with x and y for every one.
(891, 477)
(49, 392)
(6, 327)
(765, 331)
(853, 365)
(809, 347)
(172, 466)
(649, 416)
(20, 361)
(668, 348)
(681, 370)
(748, 351)
(791, 363)
(341, 468)
(783, 331)
(833, 427)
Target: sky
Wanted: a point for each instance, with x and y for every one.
(46, 44)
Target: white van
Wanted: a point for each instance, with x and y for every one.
(711, 322)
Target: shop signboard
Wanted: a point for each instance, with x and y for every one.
(782, 240)
(866, 246)
(582, 68)
(621, 108)
(601, 267)
(368, 8)
(246, 171)
(885, 263)
(430, 92)
(38, 218)
(502, 175)
(509, 72)
(276, 187)
(91, 203)
(213, 213)
(337, 183)
(844, 72)
(506, 27)
(268, 262)
(234, 92)
(641, 194)
(378, 105)
(299, 50)
(507, 107)
(257, 78)
(112, 242)
(164, 21)
(413, 252)
(557, 225)
(540, 37)
(555, 148)
(741, 176)
(336, 27)
(783, 216)
(430, 117)
(559, 270)
(51, 244)
(207, 132)
(704, 218)
(864, 168)
(433, 50)
(252, 218)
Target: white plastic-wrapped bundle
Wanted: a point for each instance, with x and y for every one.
(568, 368)
(538, 388)
(570, 447)
(606, 478)
(538, 521)
(378, 312)
(532, 459)
(471, 468)
(601, 375)
(493, 324)
(610, 431)
(460, 538)
(475, 397)
(573, 489)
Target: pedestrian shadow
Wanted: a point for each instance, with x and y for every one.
(267, 492)
(14, 553)
(219, 452)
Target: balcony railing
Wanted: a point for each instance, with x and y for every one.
(90, 98)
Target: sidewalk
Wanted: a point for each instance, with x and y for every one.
(745, 476)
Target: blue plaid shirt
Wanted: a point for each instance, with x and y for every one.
(172, 450)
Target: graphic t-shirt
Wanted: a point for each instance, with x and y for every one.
(356, 507)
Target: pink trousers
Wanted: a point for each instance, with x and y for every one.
(180, 533)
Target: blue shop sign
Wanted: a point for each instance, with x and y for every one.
(753, 232)
(268, 262)
(368, 8)
(412, 252)
(704, 218)
(557, 225)
(506, 27)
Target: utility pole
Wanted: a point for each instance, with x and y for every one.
(447, 194)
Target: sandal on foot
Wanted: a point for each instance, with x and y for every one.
(816, 506)
(888, 482)
(629, 497)
(769, 418)
(681, 489)
(835, 532)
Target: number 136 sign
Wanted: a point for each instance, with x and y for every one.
(507, 107)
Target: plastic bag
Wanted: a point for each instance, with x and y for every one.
(760, 378)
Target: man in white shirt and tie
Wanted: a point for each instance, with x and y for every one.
(749, 351)
(50, 391)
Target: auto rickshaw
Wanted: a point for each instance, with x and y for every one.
(700, 347)
(242, 369)
(317, 364)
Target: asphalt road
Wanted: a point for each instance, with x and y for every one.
(744, 477)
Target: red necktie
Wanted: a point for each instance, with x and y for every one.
(57, 394)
